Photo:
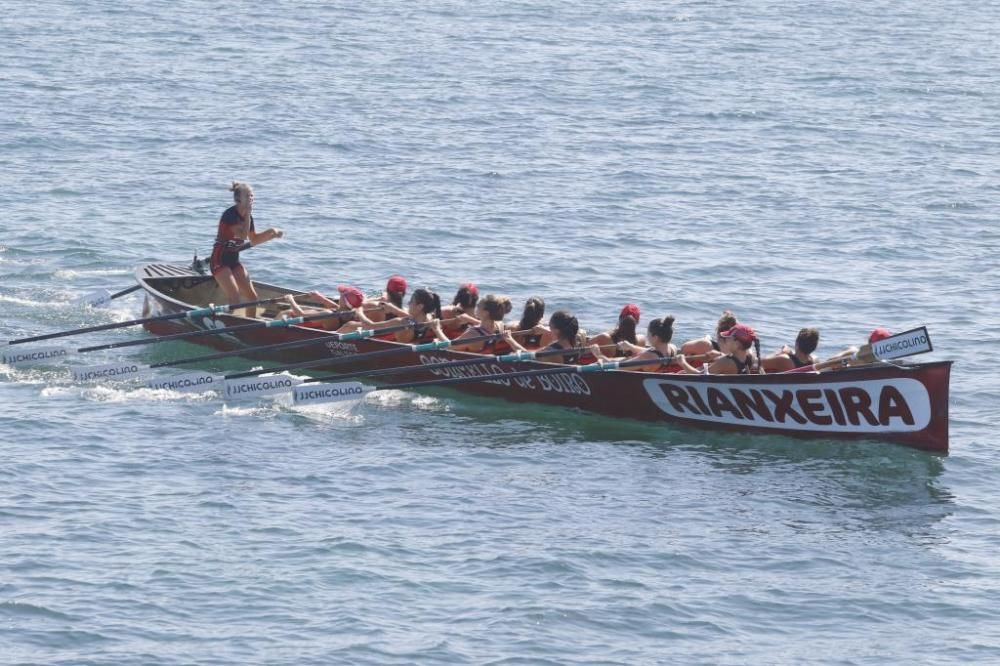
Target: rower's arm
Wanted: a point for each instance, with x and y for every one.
(687, 367)
(508, 337)
(390, 307)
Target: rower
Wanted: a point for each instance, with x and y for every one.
(423, 310)
(624, 330)
(350, 304)
(708, 346)
(876, 335)
(735, 344)
(390, 304)
(789, 358)
(529, 327)
(236, 233)
(567, 335)
(659, 333)
(490, 313)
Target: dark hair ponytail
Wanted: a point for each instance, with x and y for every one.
(625, 330)
(466, 298)
(662, 328)
(534, 310)
(756, 349)
(566, 325)
(429, 301)
(395, 297)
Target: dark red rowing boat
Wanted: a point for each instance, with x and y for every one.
(895, 402)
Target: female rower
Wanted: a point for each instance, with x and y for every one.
(624, 331)
(848, 356)
(530, 329)
(390, 304)
(423, 311)
(659, 333)
(735, 344)
(461, 313)
(236, 233)
(349, 305)
(464, 302)
(490, 312)
(788, 358)
(566, 331)
(707, 346)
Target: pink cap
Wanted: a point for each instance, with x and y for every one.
(630, 310)
(352, 295)
(396, 285)
(741, 332)
(879, 334)
(473, 289)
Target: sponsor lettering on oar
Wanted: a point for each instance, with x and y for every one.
(908, 343)
(263, 385)
(310, 394)
(120, 370)
(188, 381)
(33, 356)
(867, 406)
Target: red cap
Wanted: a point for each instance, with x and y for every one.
(879, 334)
(741, 332)
(396, 284)
(471, 287)
(630, 310)
(352, 295)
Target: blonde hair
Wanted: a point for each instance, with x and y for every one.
(496, 306)
(239, 186)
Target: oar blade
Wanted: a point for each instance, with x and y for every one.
(38, 356)
(260, 386)
(118, 371)
(188, 382)
(312, 394)
(96, 299)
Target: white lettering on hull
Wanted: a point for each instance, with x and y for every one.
(570, 383)
(870, 406)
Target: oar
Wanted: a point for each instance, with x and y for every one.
(103, 297)
(255, 383)
(355, 358)
(190, 314)
(908, 343)
(356, 390)
(126, 369)
(329, 337)
(43, 354)
(513, 357)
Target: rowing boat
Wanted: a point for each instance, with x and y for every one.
(904, 403)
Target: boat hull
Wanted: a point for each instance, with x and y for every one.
(904, 404)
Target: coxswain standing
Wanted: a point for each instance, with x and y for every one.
(236, 233)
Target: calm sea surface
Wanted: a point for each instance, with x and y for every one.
(814, 163)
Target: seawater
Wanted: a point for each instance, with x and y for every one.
(830, 164)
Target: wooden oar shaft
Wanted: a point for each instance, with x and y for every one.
(274, 323)
(334, 360)
(207, 312)
(459, 363)
(123, 292)
(558, 370)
